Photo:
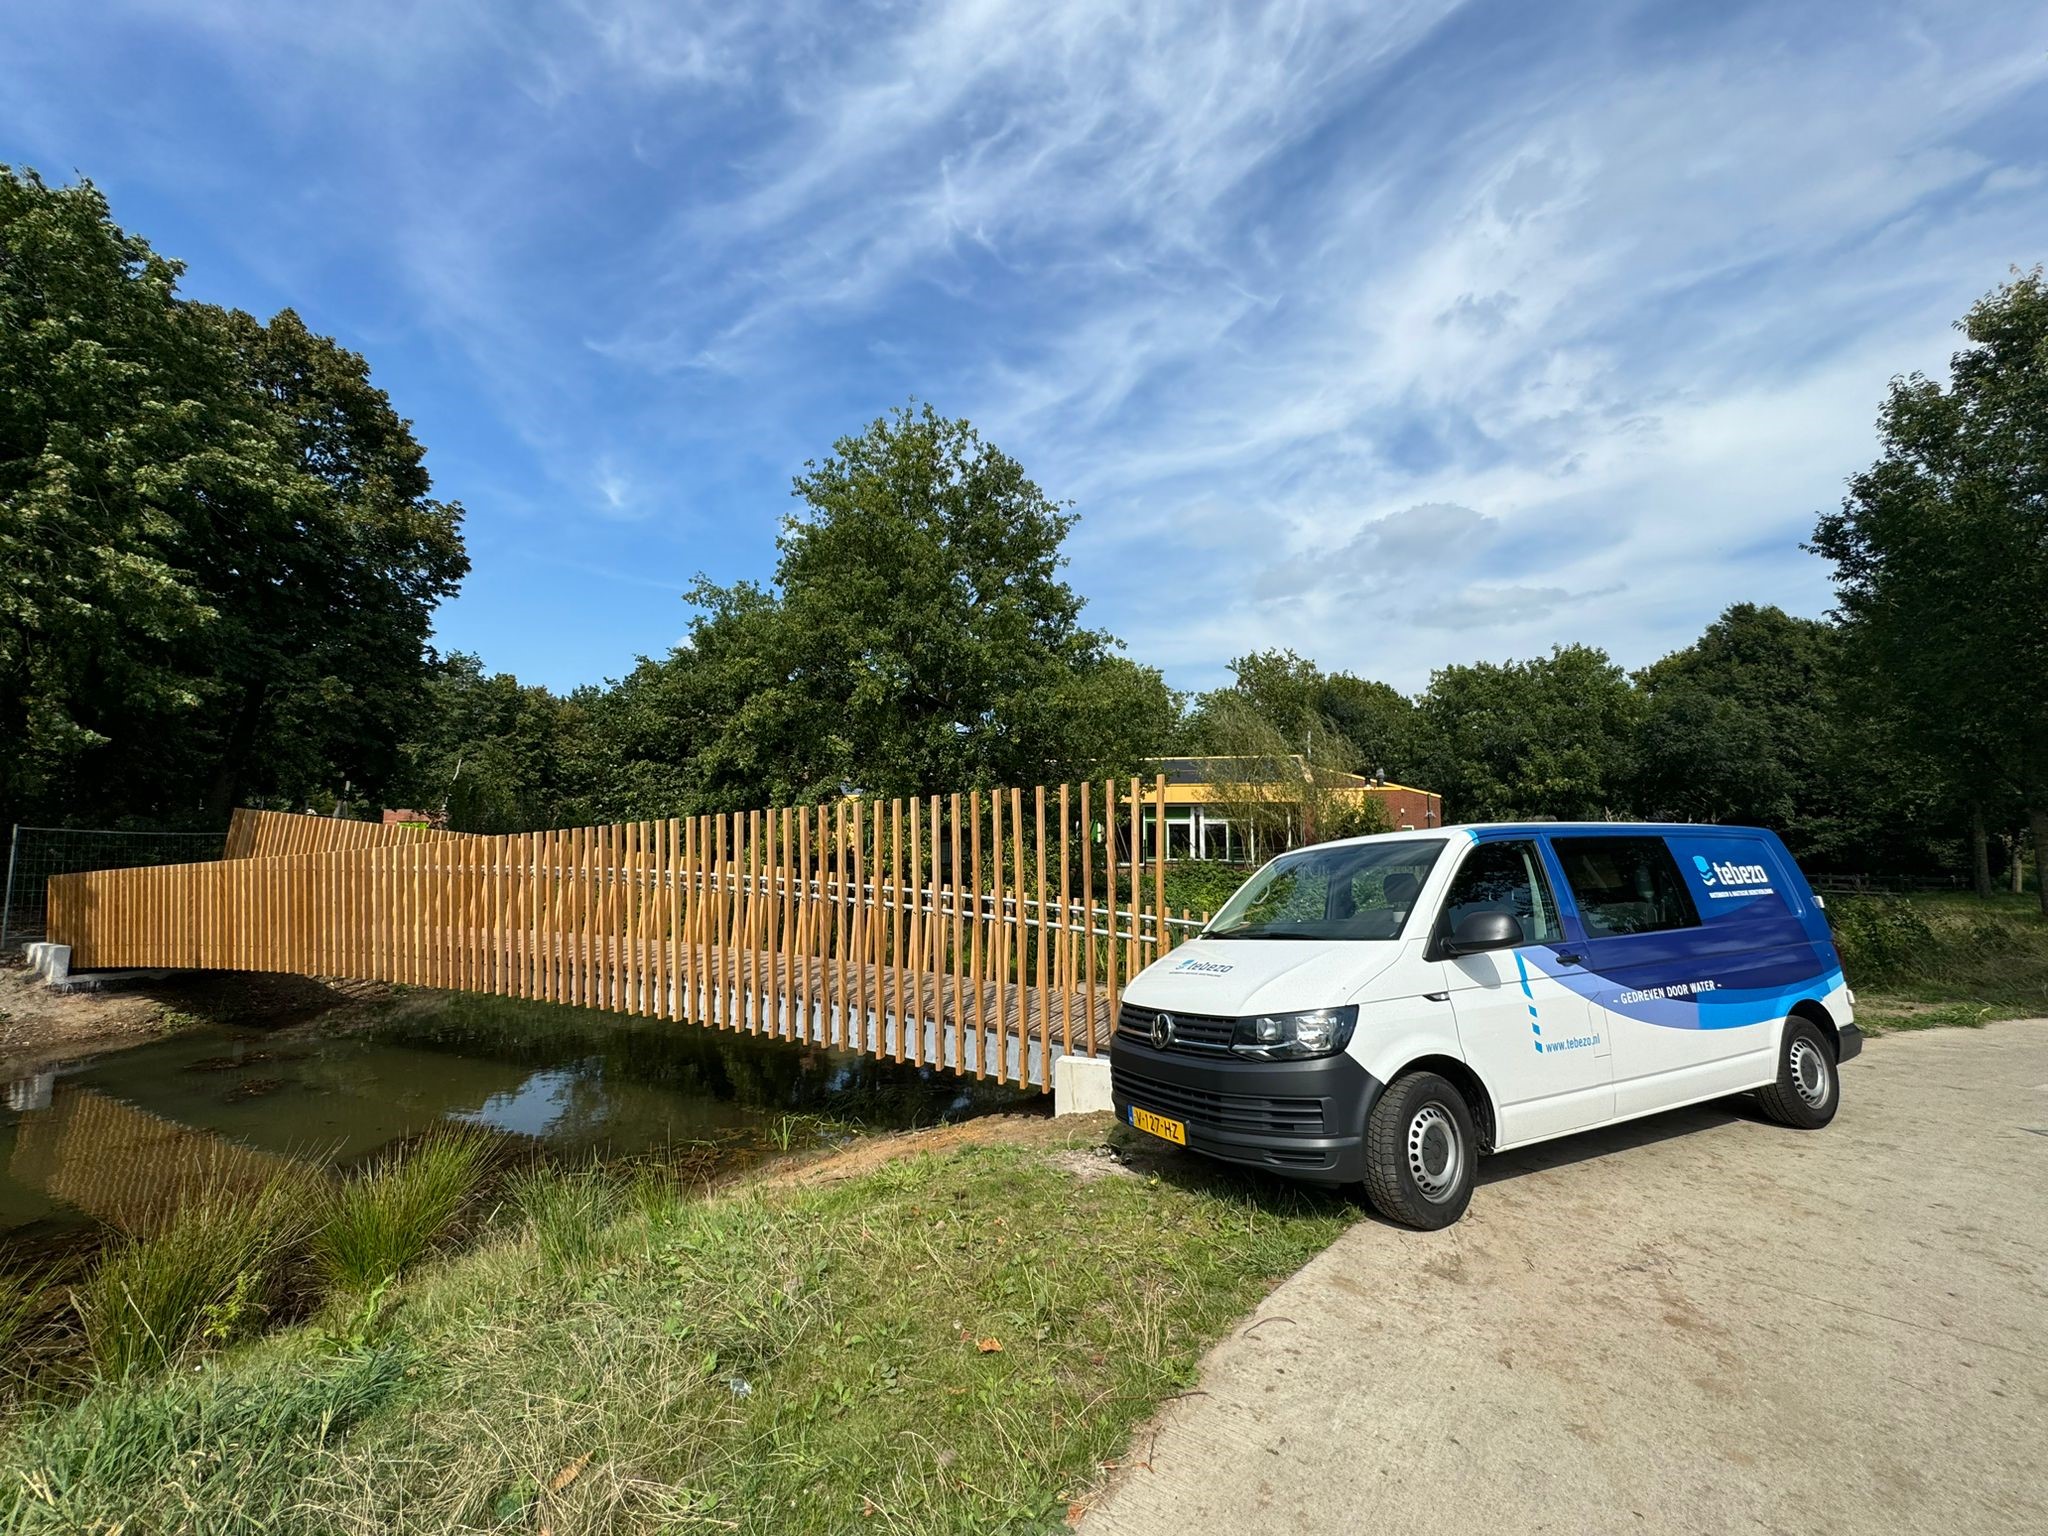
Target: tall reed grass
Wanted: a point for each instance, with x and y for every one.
(390, 1216)
(211, 1274)
(24, 1298)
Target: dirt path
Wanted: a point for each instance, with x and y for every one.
(1700, 1323)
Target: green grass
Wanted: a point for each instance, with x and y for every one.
(24, 1304)
(775, 1359)
(1942, 960)
(385, 1219)
(209, 1276)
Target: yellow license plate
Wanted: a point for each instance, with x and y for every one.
(1159, 1125)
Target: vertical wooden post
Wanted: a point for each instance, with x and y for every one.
(974, 938)
(1088, 914)
(797, 848)
(863, 923)
(898, 920)
(693, 920)
(877, 945)
(910, 1021)
(771, 918)
(1041, 980)
(1066, 965)
(1159, 944)
(1111, 993)
(999, 933)
(842, 918)
(1134, 953)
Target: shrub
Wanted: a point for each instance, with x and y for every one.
(1202, 885)
(388, 1217)
(1882, 939)
(209, 1276)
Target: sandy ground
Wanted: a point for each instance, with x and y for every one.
(39, 1026)
(1699, 1323)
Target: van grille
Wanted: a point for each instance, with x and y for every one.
(1191, 1031)
(1218, 1111)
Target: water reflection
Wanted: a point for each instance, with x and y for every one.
(124, 1138)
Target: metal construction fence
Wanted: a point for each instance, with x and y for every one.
(34, 854)
(986, 933)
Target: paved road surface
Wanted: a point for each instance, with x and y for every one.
(1698, 1323)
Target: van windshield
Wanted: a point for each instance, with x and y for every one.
(1338, 891)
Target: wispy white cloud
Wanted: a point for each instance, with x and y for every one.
(1397, 333)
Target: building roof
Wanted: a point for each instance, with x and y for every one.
(1225, 769)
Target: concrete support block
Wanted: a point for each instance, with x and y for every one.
(52, 962)
(1080, 1085)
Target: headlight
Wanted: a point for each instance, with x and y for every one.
(1290, 1036)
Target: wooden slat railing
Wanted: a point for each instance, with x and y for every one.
(281, 834)
(985, 933)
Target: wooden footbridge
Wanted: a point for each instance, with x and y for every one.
(987, 933)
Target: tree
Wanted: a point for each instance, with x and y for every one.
(1551, 736)
(1941, 558)
(497, 754)
(1741, 726)
(115, 434)
(918, 637)
(1274, 791)
(221, 556)
(329, 586)
(1301, 702)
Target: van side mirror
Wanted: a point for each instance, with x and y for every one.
(1478, 932)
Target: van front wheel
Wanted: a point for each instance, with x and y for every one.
(1809, 1084)
(1421, 1153)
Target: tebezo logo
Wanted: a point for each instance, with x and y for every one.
(1730, 874)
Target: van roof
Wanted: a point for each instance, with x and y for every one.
(1411, 834)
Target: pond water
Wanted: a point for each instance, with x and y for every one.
(114, 1140)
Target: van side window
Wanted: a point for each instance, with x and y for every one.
(1625, 885)
(1505, 877)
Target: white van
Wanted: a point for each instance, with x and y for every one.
(1388, 1009)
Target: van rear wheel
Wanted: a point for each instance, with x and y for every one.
(1809, 1085)
(1421, 1152)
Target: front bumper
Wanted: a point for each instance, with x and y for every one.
(1305, 1119)
(1850, 1044)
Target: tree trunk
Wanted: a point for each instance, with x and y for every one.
(234, 758)
(2037, 829)
(2016, 860)
(1980, 853)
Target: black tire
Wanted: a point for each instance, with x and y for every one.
(1421, 1152)
(1809, 1085)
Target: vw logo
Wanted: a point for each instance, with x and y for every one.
(1162, 1031)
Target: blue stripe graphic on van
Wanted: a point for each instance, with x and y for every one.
(1535, 1022)
(1693, 1001)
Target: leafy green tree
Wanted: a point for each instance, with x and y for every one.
(1306, 707)
(1742, 725)
(918, 637)
(497, 754)
(328, 585)
(218, 552)
(1941, 557)
(115, 435)
(1551, 736)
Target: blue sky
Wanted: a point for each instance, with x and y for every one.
(1400, 333)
